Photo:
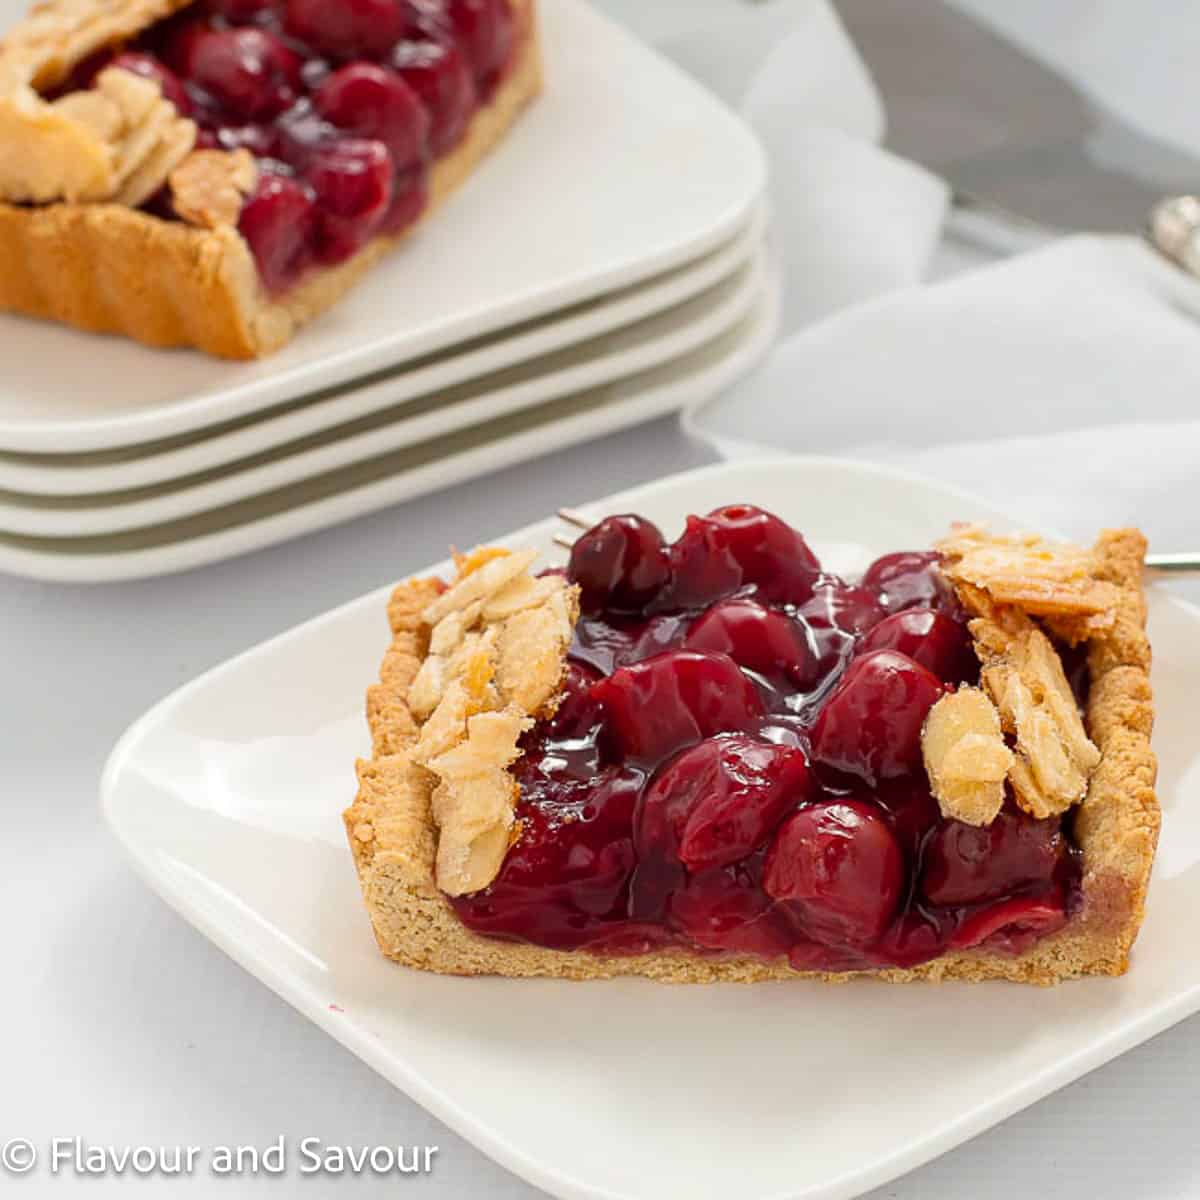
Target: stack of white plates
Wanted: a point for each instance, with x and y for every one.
(605, 266)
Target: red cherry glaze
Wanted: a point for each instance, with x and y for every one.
(669, 801)
(760, 639)
(609, 641)
(930, 638)
(347, 28)
(579, 711)
(909, 579)
(871, 725)
(250, 73)
(659, 705)
(372, 102)
(1013, 926)
(619, 565)
(965, 864)
(438, 73)
(352, 181)
(840, 868)
(149, 67)
(738, 546)
(280, 222)
(835, 604)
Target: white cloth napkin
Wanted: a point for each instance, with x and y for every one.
(1062, 383)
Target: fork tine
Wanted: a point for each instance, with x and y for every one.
(574, 517)
(565, 542)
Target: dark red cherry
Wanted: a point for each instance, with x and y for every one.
(762, 640)
(249, 72)
(752, 786)
(724, 909)
(914, 811)
(717, 802)
(620, 565)
(672, 700)
(839, 867)
(1013, 926)
(836, 604)
(370, 101)
(969, 864)
(352, 181)
(871, 724)
(279, 223)
(910, 579)
(485, 31)
(931, 638)
(914, 938)
(439, 74)
(737, 546)
(149, 67)
(347, 28)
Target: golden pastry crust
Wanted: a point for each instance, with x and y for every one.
(393, 836)
(108, 268)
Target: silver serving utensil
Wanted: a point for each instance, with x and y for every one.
(1022, 147)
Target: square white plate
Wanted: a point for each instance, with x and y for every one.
(227, 797)
(174, 459)
(339, 495)
(598, 186)
(623, 353)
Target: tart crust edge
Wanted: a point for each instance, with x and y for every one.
(106, 268)
(393, 836)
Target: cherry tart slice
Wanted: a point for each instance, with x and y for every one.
(215, 173)
(713, 759)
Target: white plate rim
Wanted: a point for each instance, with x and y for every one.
(67, 476)
(84, 517)
(969, 1124)
(752, 340)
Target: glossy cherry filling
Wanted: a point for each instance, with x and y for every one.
(736, 768)
(348, 101)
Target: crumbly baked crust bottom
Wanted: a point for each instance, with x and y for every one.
(106, 268)
(393, 836)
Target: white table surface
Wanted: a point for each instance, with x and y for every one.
(124, 1026)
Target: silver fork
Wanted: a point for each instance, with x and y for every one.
(1158, 564)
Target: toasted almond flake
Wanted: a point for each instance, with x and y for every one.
(1055, 757)
(1040, 578)
(209, 188)
(498, 640)
(966, 757)
(481, 584)
(524, 592)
